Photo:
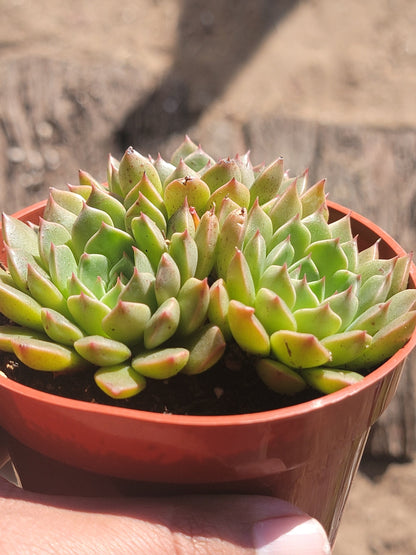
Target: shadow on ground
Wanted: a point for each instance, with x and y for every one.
(214, 41)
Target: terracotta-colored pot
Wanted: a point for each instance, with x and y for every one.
(307, 454)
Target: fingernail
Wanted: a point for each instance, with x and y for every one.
(290, 536)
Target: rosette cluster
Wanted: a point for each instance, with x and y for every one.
(156, 271)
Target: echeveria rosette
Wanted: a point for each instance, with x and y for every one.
(154, 273)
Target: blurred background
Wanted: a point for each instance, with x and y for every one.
(328, 85)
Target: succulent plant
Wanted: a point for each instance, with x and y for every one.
(158, 270)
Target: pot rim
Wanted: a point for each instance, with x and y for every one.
(233, 419)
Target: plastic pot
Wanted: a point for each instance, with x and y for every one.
(307, 453)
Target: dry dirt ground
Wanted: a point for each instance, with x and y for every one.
(351, 62)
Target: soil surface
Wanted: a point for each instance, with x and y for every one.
(209, 69)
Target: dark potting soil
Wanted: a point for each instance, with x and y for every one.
(230, 387)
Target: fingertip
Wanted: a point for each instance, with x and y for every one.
(290, 535)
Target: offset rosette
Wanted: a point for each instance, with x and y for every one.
(153, 273)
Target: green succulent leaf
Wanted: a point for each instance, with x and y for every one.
(346, 346)
(345, 304)
(305, 296)
(67, 199)
(305, 267)
(149, 191)
(267, 184)
(16, 233)
(247, 329)
(315, 199)
(8, 333)
(317, 225)
(298, 350)
(20, 307)
(370, 253)
(163, 323)
(221, 173)
(140, 289)
(286, 206)
(255, 255)
(230, 238)
(185, 218)
(186, 148)
(273, 312)
(161, 364)
(119, 381)
(193, 299)
(101, 200)
(149, 238)
(277, 279)
(191, 188)
(224, 210)
(56, 213)
(184, 251)
(206, 238)
(300, 236)
(400, 277)
(342, 280)
(163, 168)
(218, 306)
(371, 320)
(400, 303)
(378, 267)
(75, 287)
(88, 313)
(321, 320)
(373, 291)
(206, 346)
(281, 254)
(131, 169)
(126, 322)
(198, 159)
(110, 242)
(258, 221)
(145, 206)
(86, 178)
(246, 168)
(233, 190)
(279, 378)
(94, 272)
(141, 262)
(59, 328)
(62, 265)
(112, 176)
(350, 249)
(341, 229)
(83, 191)
(168, 278)
(329, 381)
(240, 284)
(181, 171)
(386, 342)
(113, 294)
(18, 261)
(47, 356)
(87, 223)
(328, 256)
(51, 233)
(102, 351)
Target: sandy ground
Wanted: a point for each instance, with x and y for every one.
(349, 62)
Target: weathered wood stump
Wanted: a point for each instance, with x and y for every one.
(57, 117)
